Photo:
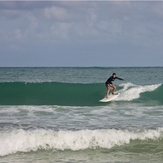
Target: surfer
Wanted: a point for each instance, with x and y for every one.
(109, 84)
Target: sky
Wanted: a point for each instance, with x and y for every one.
(81, 33)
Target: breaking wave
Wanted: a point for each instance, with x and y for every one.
(19, 140)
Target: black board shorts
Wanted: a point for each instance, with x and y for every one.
(106, 84)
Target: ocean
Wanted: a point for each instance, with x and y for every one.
(54, 115)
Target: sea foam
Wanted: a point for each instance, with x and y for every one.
(19, 140)
(131, 91)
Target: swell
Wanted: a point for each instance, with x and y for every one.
(72, 94)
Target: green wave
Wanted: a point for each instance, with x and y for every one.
(67, 94)
(52, 93)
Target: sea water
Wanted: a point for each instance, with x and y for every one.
(54, 115)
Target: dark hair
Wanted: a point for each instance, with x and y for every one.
(114, 73)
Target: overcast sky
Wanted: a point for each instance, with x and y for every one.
(62, 33)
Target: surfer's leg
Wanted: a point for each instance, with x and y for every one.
(108, 90)
(114, 88)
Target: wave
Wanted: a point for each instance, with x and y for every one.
(32, 140)
(72, 94)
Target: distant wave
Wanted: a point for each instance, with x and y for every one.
(18, 140)
(72, 94)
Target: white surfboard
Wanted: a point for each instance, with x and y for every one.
(110, 98)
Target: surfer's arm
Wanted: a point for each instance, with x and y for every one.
(119, 78)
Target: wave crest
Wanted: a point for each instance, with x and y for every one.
(131, 91)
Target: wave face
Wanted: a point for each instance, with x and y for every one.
(32, 140)
(73, 94)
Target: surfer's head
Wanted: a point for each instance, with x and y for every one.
(114, 74)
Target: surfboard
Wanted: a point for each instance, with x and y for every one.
(110, 98)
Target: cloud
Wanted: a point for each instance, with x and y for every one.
(57, 13)
(117, 22)
(9, 14)
(60, 31)
(18, 34)
(158, 10)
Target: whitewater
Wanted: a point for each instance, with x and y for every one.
(54, 115)
(26, 141)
